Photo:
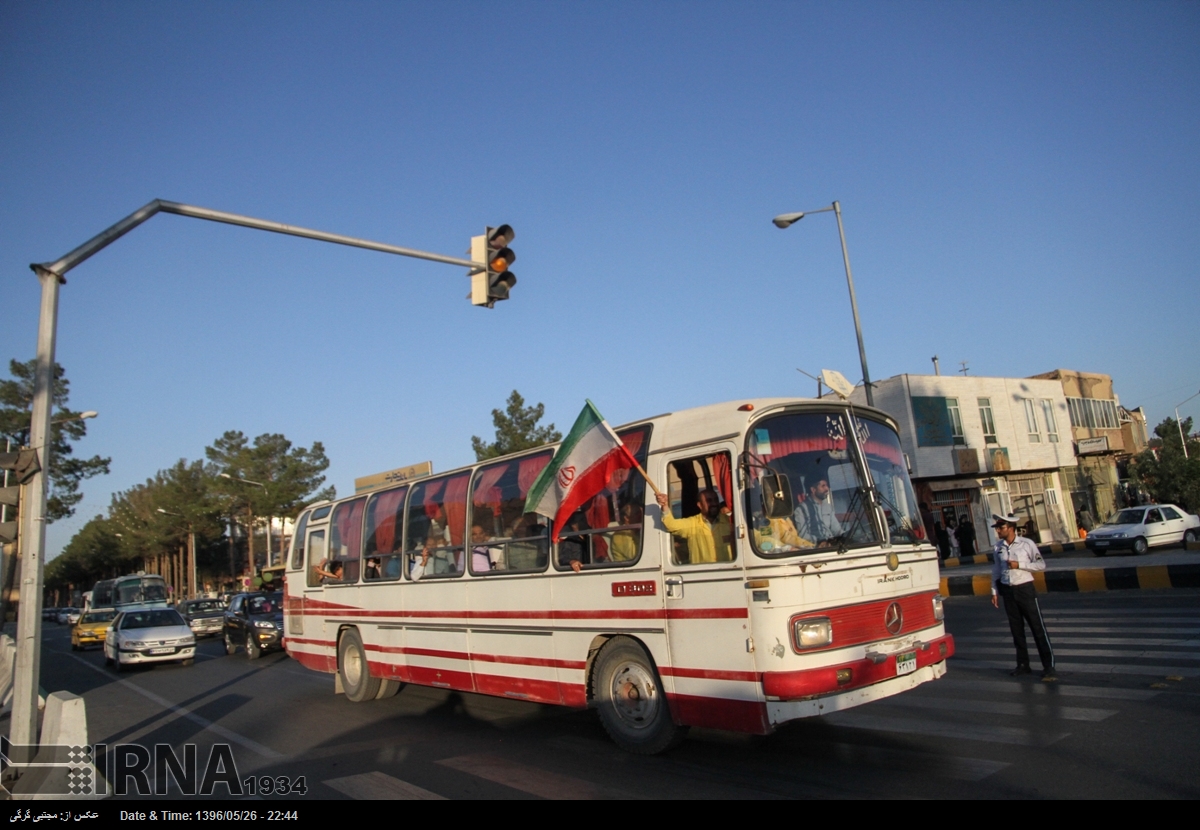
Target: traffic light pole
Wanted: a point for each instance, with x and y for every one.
(33, 531)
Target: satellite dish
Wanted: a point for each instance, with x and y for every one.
(837, 382)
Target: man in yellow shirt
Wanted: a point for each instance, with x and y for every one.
(709, 533)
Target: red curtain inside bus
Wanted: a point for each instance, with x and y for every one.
(385, 510)
(348, 521)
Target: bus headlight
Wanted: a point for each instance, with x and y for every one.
(812, 632)
(939, 612)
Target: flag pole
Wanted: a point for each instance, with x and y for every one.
(653, 487)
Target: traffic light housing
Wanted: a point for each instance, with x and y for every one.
(496, 280)
(24, 464)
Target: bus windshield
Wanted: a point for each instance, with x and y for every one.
(890, 473)
(804, 490)
(146, 589)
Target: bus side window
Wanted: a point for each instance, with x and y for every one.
(316, 554)
(385, 519)
(298, 543)
(504, 538)
(694, 539)
(607, 530)
(437, 518)
(345, 537)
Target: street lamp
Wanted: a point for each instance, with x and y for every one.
(1182, 440)
(243, 480)
(785, 220)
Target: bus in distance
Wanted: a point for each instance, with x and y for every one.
(784, 573)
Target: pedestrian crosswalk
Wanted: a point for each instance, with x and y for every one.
(1111, 661)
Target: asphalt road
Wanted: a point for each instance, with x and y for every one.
(1124, 722)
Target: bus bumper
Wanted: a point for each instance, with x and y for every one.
(837, 687)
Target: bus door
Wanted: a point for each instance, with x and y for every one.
(707, 619)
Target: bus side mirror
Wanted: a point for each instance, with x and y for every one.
(776, 495)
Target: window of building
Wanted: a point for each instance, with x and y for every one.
(345, 537)
(504, 538)
(436, 528)
(1051, 422)
(956, 427)
(931, 416)
(382, 552)
(986, 421)
(607, 531)
(1090, 413)
(1031, 421)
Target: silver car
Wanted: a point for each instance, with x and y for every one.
(151, 635)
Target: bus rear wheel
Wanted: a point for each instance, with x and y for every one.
(629, 697)
(352, 666)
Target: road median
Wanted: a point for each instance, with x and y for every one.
(1079, 580)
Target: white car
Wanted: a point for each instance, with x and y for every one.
(150, 635)
(1140, 528)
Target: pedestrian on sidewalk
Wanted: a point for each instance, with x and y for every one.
(1015, 558)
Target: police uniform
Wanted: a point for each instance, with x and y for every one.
(1016, 586)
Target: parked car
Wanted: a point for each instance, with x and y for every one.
(206, 617)
(1140, 528)
(149, 635)
(92, 628)
(68, 616)
(254, 621)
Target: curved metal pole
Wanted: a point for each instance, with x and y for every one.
(862, 350)
(33, 530)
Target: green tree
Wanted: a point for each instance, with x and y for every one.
(516, 430)
(1164, 472)
(285, 477)
(66, 472)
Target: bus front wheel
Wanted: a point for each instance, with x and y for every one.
(352, 665)
(629, 697)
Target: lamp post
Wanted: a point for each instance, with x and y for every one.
(1182, 439)
(785, 220)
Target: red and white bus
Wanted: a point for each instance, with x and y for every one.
(805, 586)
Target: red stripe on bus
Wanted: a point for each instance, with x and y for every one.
(512, 659)
(711, 674)
(329, 643)
(621, 614)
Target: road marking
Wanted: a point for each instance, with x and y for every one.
(532, 780)
(378, 786)
(1085, 668)
(1000, 639)
(1056, 689)
(1000, 707)
(1132, 654)
(1123, 612)
(216, 729)
(940, 728)
(1107, 629)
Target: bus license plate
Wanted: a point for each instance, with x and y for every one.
(169, 650)
(906, 663)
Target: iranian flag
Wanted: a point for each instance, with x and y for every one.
(579, 470)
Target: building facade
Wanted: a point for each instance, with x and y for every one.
(1106, 437)
(979, 446)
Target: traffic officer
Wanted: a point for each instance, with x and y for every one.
(1015, 558)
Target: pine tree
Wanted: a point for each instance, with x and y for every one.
(516, 430)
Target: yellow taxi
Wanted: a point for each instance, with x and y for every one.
(91, 628)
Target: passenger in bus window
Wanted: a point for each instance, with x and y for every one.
(329, 570)
(624, 546)
(435, 560)
(709, 533)
(484, 557)
(572, 550)
(372, 569)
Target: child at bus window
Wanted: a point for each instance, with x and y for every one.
(372, 569)
(329, 570)
(484, 557)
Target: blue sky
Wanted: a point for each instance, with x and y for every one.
(1018, 181)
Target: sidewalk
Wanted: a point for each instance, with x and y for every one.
(1075, 571)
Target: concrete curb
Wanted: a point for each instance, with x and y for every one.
(1084, 579)
(1045, 550)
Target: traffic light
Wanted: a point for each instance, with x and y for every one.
(494, 283)
(24, 464)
